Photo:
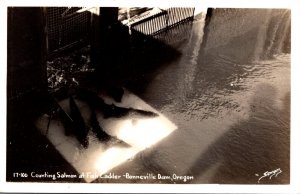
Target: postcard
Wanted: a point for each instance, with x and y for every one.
(151, 97)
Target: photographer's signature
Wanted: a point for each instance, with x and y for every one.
(270, 174)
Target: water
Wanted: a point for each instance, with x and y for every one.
(229, 95)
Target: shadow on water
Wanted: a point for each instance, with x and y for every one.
(177, 35)
(251, 147)
(147, 56)
(127, 59)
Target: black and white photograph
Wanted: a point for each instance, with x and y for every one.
(153, 95)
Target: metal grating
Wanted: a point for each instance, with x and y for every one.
(156, 20)
(150, 22)
(179, 14)
(63, 31)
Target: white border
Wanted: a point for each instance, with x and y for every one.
(294, 5)
(142, 188)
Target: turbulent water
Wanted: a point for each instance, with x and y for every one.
(229, 95)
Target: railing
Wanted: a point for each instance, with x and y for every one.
(179, 14)
(149, 22)
(156, 20)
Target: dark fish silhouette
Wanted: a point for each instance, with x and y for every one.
(93, 104)
(102, 135)
(111, 110)
(118, 112)
(97, 129)
(66, 120)
(118, 143)
(79, 128)
(94, 101)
